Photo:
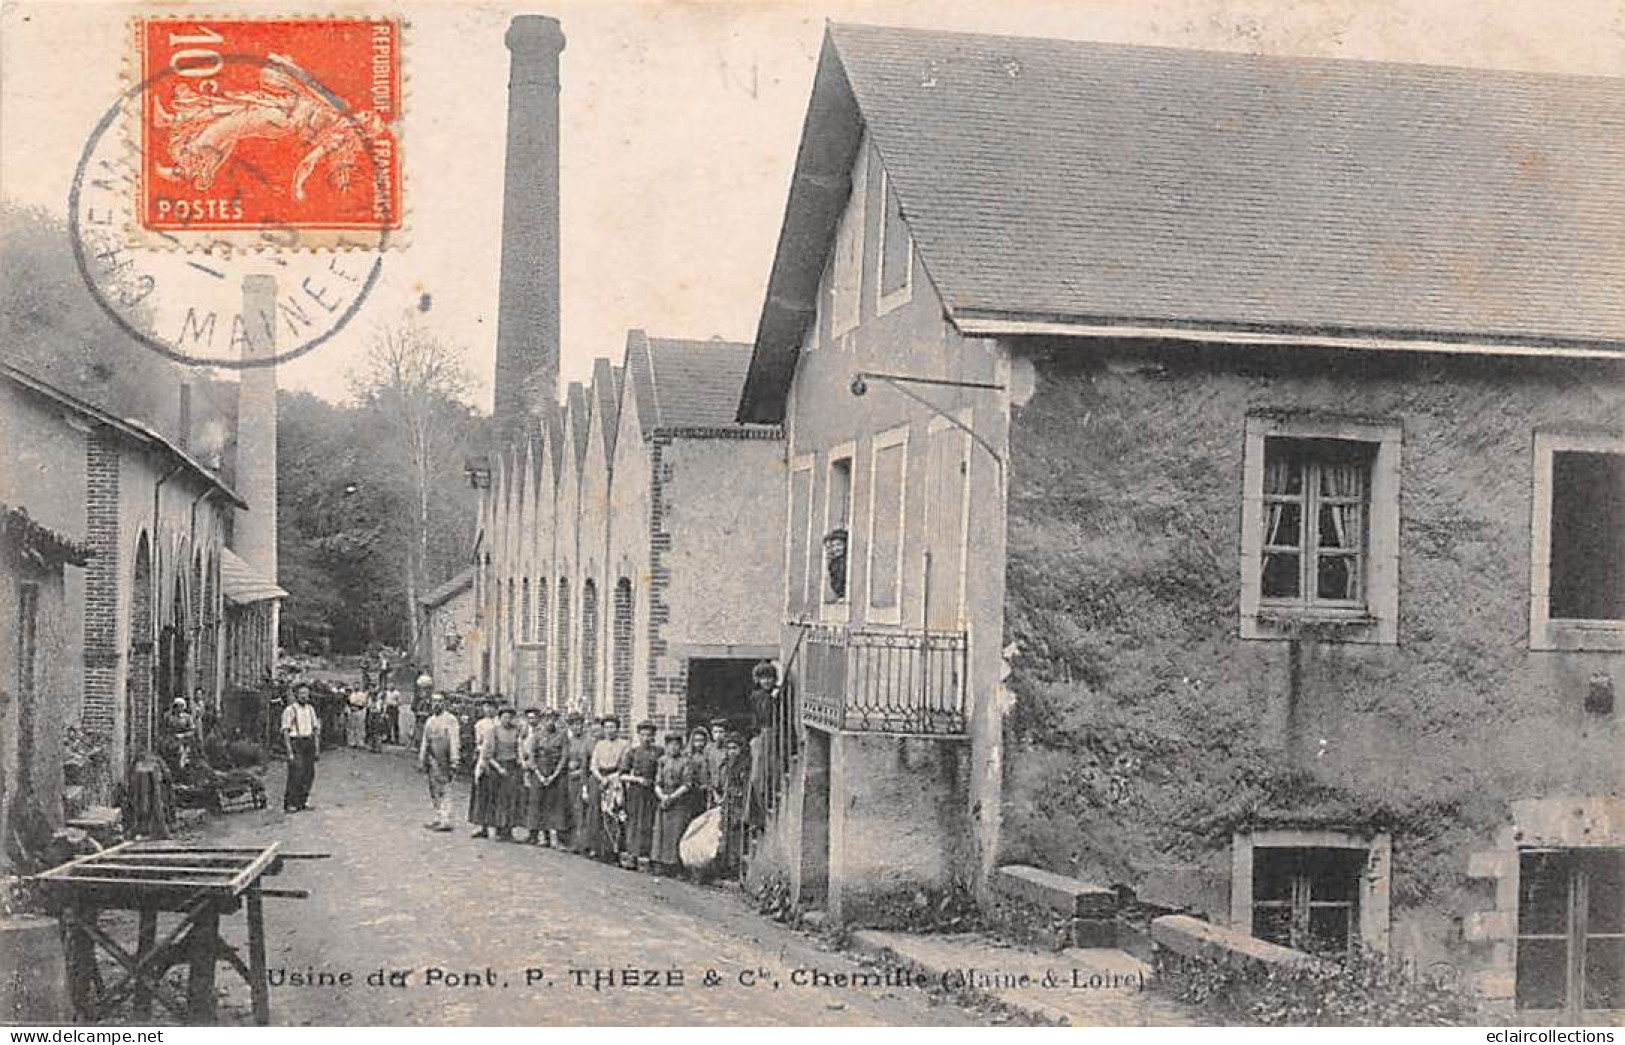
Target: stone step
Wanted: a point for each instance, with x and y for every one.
(1067, 896)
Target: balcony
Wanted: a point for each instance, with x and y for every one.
(874, 680)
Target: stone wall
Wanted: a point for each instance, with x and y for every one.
(1146, 730)
(458, 668)
(899, 830)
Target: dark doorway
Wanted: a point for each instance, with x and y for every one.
(719, 687)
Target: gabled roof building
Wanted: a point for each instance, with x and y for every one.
(1205, 477)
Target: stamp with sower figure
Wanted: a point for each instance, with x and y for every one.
(279, 131)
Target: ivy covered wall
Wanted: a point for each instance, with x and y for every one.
(1144, 731)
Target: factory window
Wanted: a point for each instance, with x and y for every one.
(1571, 930)
(1577, 553)
(27, 682)
(888, 494)
(1320, 536)
(896, 251)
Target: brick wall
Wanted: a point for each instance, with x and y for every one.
(668, 675)
(102, 584)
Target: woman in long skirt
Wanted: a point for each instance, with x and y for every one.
(499, 755)
(547, 800)
(586, 798)
(638, 768)
(603, 778)
(355, 722)
(674, 781)
(481, 792)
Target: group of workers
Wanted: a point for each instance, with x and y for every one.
(585, 787)
(377, 718)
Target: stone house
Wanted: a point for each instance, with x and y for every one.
(446, 633)
(139, 620)
(1207, 473)
(633, 543)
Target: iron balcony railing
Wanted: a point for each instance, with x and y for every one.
(884, 680)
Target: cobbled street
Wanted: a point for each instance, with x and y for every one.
(396, 897)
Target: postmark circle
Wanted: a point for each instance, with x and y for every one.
(184, 300)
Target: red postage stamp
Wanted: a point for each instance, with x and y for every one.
(284, 129)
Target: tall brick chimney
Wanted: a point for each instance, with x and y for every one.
(254, 531)
(527, 367)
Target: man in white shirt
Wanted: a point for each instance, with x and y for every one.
(392, 713)
(439, 753)
(301, 738)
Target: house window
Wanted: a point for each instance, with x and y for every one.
(1320, 528)
(1571, 929)
(1315, 499)
(846, 264)
(1308, 899)
(799, 538)
(837, 529)
(1577, 553)
(888, 481)
(1320, 890)
(1588, 536)
(947, 508)
(896, 250)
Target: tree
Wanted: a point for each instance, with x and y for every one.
(413, 384)
(52, 328)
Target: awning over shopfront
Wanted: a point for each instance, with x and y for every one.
(241, 584)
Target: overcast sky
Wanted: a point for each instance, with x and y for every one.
(680, 123)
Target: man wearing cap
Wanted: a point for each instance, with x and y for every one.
(439, 753)
(714, 753)
(301, 738)
(638, 768)
(733, 789)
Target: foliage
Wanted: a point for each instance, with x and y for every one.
(353, 513)
(770, 892)
(1142, 734)
(1366, 989)
(412, 385)
(51, 326)
(935, 909)
(222, 753)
